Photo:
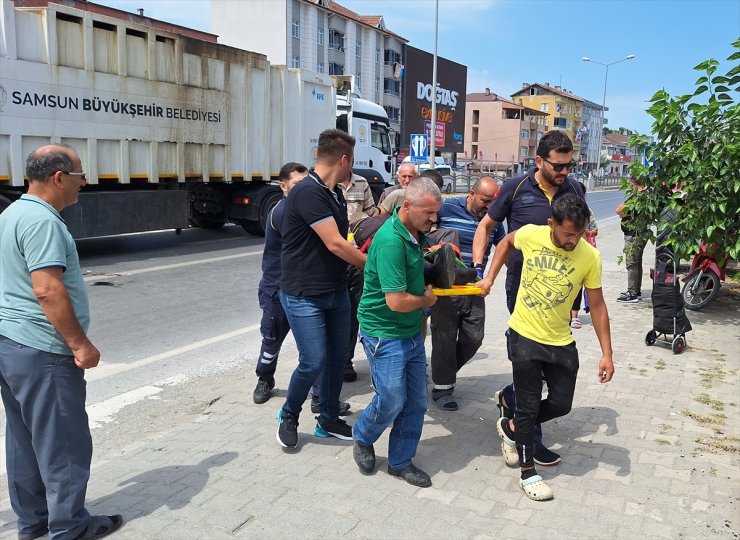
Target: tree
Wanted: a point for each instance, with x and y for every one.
(694, 164)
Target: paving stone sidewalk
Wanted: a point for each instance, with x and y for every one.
(653, 454)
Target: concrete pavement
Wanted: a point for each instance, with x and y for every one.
(653, 454)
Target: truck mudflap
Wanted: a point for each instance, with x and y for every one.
(251, 205)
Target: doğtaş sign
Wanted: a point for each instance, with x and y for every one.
(449, 96)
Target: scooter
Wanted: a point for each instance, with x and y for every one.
(703, 280)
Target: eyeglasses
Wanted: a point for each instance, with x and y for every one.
(560, 166)
(80, 174)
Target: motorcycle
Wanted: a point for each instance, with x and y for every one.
(702, 283)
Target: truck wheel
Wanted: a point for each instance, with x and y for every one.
(206, 222)
(257, 228)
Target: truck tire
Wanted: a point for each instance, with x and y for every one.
(257, 228)
(199, 220)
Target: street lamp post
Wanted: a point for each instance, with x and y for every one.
(603, 103)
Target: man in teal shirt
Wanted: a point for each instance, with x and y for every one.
(44, 350)
(390, 315)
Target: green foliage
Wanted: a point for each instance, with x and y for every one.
(694, 163)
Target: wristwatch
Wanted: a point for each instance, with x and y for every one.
(477, 265)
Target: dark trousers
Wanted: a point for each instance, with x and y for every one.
(48, 442)
(634, 246)
(457, 334)
(531, 360)
(274, 328)
(355, 284)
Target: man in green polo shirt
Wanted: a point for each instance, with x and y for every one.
(390, 315)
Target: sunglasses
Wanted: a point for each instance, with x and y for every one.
(560, 166)
(80, 174)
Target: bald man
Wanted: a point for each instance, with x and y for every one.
(458, 321)
(406, 173)
(44, 352)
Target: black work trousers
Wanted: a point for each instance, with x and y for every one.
(531, 361)
(457, 333)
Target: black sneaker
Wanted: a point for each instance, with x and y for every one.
(627, 298)
(31, 533)
(545, 457)
(413, 475)
(343, 407)
(263, 391)
(335, 428)
(287, 431)
(503, 410)
(350, 375)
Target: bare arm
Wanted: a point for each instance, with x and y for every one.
(334, 242)
(480, 240)
(503, 250)
(600, 319)
(620, 209)
(57, 306)
(404, 302)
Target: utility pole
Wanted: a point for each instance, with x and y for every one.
(433, 124)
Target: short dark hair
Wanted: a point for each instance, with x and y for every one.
(41, 165)
(554, 140)
(435, 176)
(289, 168)
(333, 144)
(571, 208)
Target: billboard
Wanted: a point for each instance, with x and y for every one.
(449, 95)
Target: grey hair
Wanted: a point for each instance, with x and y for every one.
(419, 188)
(40, 165)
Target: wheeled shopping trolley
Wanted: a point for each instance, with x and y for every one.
(670, 323)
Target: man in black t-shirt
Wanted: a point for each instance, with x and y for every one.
(313, 287)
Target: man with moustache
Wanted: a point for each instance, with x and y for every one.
(458, 321)
(523, 200)
(390, 316)
(557, 263)
(406, 173)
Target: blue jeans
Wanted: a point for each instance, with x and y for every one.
(320, 326)
(398, 368)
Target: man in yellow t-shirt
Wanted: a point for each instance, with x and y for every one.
(557, 263)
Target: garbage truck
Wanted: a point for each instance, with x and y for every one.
(173, 129)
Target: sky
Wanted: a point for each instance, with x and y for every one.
(505, 43)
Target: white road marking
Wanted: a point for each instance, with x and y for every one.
(103, 412)
(114, 369)
(606, 220)
(98, 277)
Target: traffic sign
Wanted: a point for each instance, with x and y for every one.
(419, 147)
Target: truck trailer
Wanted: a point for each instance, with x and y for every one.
(173, 128)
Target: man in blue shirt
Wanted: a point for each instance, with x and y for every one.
(44, 352)
(458, 321)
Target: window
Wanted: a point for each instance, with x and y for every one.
(336, 69)
(392, 57)
(377, 56)
(394, 113)
(320, 67)
(560, 123)
(544, 107)
(358, 49)
(525, 134)
(379, 138)
(392, 87)
(320, 36)
(296, 28)
(523, 151)
(476, 116)
(336, 40)
(295, 62)
(358, 81)
(377, 84)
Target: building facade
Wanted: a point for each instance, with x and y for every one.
(565, 110)
(320, 36)
(618, 153)
(501, 135)
(590, 135)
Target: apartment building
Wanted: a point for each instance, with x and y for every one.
(590, 134)
(565, 110)
(615, 148)
(500, 134)
(321, 36)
